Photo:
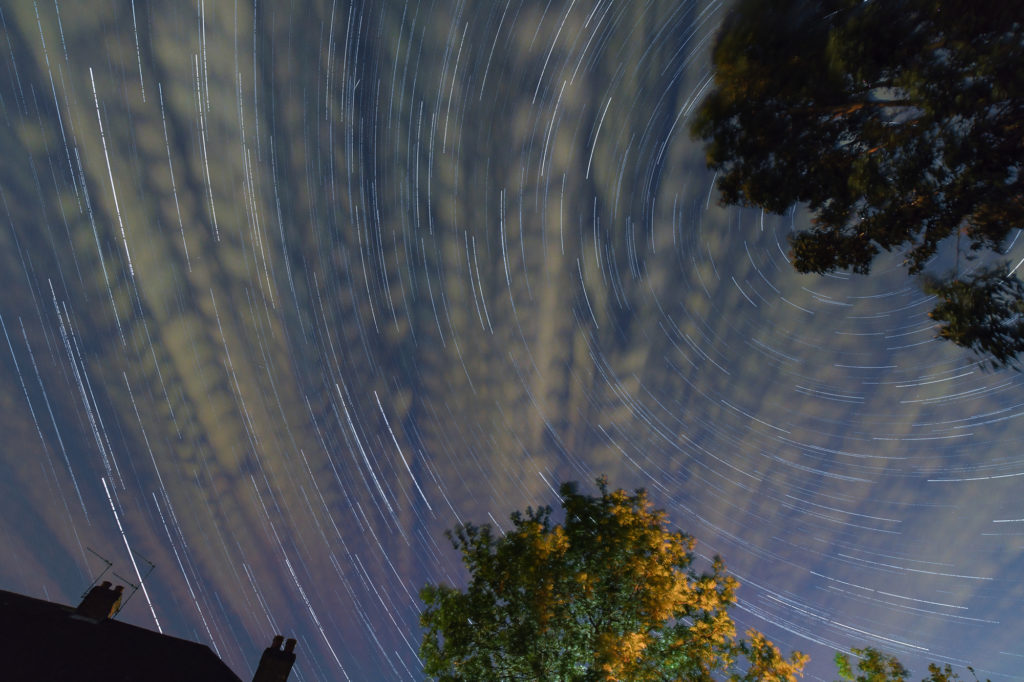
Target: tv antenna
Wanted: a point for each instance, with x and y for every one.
(133, 585)
(97, 579)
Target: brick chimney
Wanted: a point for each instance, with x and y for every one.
(101, 602)
(276, 664)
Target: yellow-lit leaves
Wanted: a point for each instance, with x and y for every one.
(616, 657)
(768, 664)
(608, 594)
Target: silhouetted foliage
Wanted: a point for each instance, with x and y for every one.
(983, 311)
(897, 123)
(606, 595)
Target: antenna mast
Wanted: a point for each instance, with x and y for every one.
(135, 586)
(97, 578)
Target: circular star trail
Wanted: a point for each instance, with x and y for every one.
(290, 288)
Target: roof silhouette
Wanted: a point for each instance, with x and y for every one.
(41, 640)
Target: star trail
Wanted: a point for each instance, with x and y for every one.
(289, 288)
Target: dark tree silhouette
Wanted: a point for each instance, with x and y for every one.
(983, 311)
(898, 124)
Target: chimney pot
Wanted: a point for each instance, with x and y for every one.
(101, 601)
(275, 664)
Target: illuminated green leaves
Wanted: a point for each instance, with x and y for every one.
(608, 594)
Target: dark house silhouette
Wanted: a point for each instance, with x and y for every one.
(42, 641)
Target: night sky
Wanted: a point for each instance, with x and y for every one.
(289, 288)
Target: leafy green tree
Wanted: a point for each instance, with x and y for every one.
(874, 666)
(897, 123)
(608, 594)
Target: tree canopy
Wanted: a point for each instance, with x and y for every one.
(898, 124)
(608, 594)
